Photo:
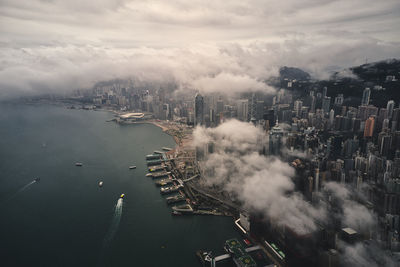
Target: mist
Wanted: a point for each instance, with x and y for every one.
(56, 47)
(265, 184)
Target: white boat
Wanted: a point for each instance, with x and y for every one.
(132, 167)
(101, 184)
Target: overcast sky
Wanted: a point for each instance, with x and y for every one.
(58, 45)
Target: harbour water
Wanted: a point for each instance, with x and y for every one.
(65, 218)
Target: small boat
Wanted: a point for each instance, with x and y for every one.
(166, 148)
(149, 175)
(37, 179)
(176, 213)
(101, 184)
(247, 242)
(122, 195)
(78, 164)
(132, 167)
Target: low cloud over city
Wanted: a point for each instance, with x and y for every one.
(57, 46)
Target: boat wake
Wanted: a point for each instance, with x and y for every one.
(22, 189)
(26, 186)
(115, 222)
(111, 233)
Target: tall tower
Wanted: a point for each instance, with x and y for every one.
(389, 108)
(275, 140)
(369, 127)
(365, 97)
(198, 110)
(251, 116)
(242, 109)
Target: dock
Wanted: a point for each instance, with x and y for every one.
(175, 199)
(160, 175)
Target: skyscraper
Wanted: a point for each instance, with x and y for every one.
(298, 104)
(365, 97)
(242, 109)
(389, 108)
(275, 140)
(252, 108)
(369, 127)
(326, 104)
(198, 110)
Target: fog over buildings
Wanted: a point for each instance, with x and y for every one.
(309, 161)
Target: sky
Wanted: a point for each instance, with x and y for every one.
(54, 45)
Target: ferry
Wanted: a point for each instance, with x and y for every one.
(132, 167)
(78, 164)
(156, 168)
(153, 156)
(164, 182)
(101, 184)
(122, 196)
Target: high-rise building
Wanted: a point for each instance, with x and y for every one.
(298, 104)
(252, 108)
(369, 127)
(198, 110)
(331, 118)
(384, 145)
(324, 92)
(242, 109)
(313, 101)
(389, 108)
(275, 140)
(220, 106)
(326, 104)
(365, 97)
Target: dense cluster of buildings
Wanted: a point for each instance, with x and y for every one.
(358, 146)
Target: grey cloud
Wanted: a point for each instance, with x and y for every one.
(354, 214)
(62, 45)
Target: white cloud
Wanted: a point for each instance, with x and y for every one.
(67, 44)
